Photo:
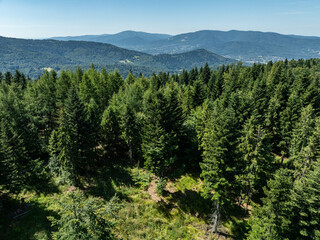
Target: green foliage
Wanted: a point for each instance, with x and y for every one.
(141, 178)
(161, 185)
(37, 55)
(72, 144)
(305, 205)
(257, 161)
(84, 218)
(272, 220)
(219, 164)
(254, 130)
(20, 146)
(111, 140)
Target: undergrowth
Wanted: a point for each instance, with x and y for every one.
(181, 213)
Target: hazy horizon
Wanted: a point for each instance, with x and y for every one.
(36, 19)
(129, 30)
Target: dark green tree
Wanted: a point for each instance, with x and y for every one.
(257, 159)
(84, 218)
(20, 146)
(273, 219)
(220, 159)
(132, 134)
(74, 144)
(305, 205)
(111, 135)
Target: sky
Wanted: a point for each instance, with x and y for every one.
(48, 18)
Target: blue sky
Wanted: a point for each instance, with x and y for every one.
(47, 18)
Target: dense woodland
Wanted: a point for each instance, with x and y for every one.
(32, 57)
(250, 136)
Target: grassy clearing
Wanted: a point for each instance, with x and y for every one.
(181, 213)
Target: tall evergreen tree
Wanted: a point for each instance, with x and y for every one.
(273, 219)
(220, 160)
(132, 134)
(199, 93)
(160, 142)
(305, 205)
(257, 160)
(111, 135)
(302, 149)
(20, 146)
(74, 143)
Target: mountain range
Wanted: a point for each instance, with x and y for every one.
(34, 56)
(247, 46)
(149, 52)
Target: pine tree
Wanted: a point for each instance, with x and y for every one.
(306, 206)
(132, 134)
(199, 93)
(219, 166)
(14, 158)
(288, 118)
(115, 82)
(216, 87)
(160, 142)
(193, 75)
(41, 103)
(8, 78)
(63, 85)
(74, 147)
(19, 79)
(184, 77)
(257, 160)
(273, 219)
(20, 146)
(111, 135)
(272, 119)
(302, 143)
(84, 218)
(205, 74)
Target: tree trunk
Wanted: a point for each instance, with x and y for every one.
(216, 217)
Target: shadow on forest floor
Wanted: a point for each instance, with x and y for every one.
(24, 221)
(108, 183)
(191, 202)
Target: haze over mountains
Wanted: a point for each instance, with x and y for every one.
(149, 52)
(127, 39)
(247, 46)
(32, 57)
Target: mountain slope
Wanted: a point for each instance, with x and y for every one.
(191, 59)
(33, 56)
(247, 46)
(242, 45)
(126, 39)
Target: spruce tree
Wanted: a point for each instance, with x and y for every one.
(20, 146)
(160, 143)
(273, 219)
(305, 204)
(302, 149)
(132, 134)
(257, 160)
(220, 159)
(74, 147)
(111, 135)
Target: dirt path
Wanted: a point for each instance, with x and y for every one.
(152, 191)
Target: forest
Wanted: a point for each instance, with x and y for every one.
(231, 152)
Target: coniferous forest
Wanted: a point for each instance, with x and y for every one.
(230, 153)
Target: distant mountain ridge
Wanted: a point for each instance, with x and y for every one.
(33, 56)
(247, 46)
(125, 39)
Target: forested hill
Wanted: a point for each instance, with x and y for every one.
(33, 56)
(247, 46)
(126, 39)
(233, 151)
